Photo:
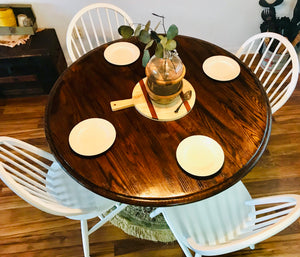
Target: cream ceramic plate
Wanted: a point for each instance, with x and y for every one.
(200, 155)
(221, 68)
(122, 53)
(92, 136)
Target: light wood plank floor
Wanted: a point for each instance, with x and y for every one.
(26, 231)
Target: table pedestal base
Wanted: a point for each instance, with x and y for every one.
(135, 221)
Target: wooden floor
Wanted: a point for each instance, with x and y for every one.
(26, 231)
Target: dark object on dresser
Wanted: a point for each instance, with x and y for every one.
(31, 68)
(265, 3)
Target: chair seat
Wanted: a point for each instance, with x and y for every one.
(221, 218)
(68, 192)
(35, 176)
(229, 221)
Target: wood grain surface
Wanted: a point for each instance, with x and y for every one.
(29, 232)
(141, 168)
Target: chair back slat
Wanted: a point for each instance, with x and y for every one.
(21, 167)
(274, 208)
(38, 152)
(268, 69)
(26, 155)
(77, 39)
(117, 19)
(279, 87)
(73, 44)
(101, 25)
(29, 176)
(24, 169)
(275, 62)
(34, 190)
(272, 216)
(255, 52)
(23, 179)
(273, 72)
(279, 75)
(87, 33)
(94, 30)
(266, 223)
(263, 55)
(92, 26)
(85, 36)
(109, 24)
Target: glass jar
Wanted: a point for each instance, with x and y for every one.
(164, 77)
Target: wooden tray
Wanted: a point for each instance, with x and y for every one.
(19, 9)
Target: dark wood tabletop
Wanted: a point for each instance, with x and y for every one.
(141, 167)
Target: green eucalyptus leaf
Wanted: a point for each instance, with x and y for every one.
(125, 31)
(146, 58)
(172, 32)
(149, 44)
(144, 37)
(170, 45)
(159, 51)
(147, 26)
(154, 36)
(137, 30)
(163, 41)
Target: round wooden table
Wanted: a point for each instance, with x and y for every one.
(141, 167)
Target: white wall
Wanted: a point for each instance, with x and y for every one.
(227, 23)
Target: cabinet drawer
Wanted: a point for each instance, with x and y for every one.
(31, 68)
(21, 88)
(18, 67)
(18, 79)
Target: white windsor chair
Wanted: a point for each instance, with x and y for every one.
(35, 176)
(229, 221)
(275, 62)
(92, 26)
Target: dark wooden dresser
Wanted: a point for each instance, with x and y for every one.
(31, 68)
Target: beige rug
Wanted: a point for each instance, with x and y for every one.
(135, 221)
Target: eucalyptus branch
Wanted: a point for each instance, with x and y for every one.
(164, 43)
(163, 21)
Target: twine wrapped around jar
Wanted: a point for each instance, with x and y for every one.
(7, 18)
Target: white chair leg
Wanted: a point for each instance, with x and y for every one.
(104, 219)
(198, 255)
(156, 212)
(185, 249)
(252, 247)
(85, 238)
(182, 245)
